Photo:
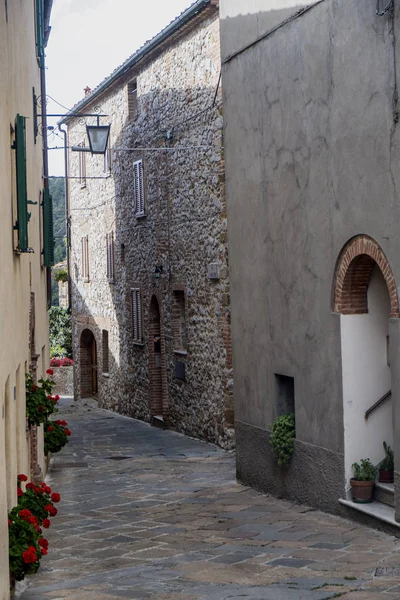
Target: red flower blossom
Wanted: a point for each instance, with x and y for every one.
(53, 511)
(67, 432)
(34, 388)
(50, 428)
(19, 492)
(54, 400)
(46, 523)
(43, 543)
(55, 497)
(50, 372)
(22, 477)
(30, 486)
(9, 522)
(25, 514)
(59, 422)
(29, 556)
(57, 397)
(41, 409)
(64, 423)
(46, 489)
(43, 551)
(33, 521)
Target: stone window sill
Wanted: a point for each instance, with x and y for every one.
(139, 344)
(107, 375)
(180, 352)
(139, 217)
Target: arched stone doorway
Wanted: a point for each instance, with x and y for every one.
(365, 295)
(157, 372)
(88, 364)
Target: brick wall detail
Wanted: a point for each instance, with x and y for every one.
(353, 274)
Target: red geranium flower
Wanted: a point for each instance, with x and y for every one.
(50, 372)
(41, 409)
(55, 497)
(47, 489)
(57, 397)
(29, 556)
(67, 432)
(53, 511)
(50, 428)
(58, 422)
(43, 543)
(22, 477)
(19, 492)
(30, 486)
(43, 551)
(46, 523)
(54, 400)
(33, 521)
(9, 522)
(25, 514)
(34, 388)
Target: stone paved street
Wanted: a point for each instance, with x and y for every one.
(147, 513)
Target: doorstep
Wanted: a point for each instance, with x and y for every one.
(376, 510)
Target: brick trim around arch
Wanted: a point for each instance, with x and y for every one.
(353, 274)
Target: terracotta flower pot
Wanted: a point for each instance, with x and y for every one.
(362, 491)
(386, 476)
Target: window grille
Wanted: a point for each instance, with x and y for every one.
(137, 315)
(138, 187)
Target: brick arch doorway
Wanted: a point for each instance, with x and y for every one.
(365, 296)
(88, 364)
(157, 365)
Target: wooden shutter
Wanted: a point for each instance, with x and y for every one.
(112, 257)
(87, 257)
(138, 187)
(48, 228)
(22, 195)
(137, 315)
(108, 257)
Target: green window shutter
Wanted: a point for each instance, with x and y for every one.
(22, 195)
(48, 228)
(40, 31)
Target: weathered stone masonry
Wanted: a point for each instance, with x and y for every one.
(176, 254)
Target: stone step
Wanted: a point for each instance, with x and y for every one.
(384, 493)
(375, 514)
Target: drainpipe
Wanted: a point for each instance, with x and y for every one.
(67, 217)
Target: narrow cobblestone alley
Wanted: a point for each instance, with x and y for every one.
(147, 513)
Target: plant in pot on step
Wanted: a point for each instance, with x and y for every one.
(362, 484)
(386, 466)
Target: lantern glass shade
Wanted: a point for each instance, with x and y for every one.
(98, 138)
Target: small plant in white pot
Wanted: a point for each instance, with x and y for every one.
(362, 484)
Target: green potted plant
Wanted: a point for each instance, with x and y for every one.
(362, 484)
(282, 438)
(386, 466)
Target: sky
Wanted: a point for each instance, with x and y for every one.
(88, 40)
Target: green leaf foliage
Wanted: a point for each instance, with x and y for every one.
(60, 332)
(364, 470)
(55, 436)
(387, 464)
(40, 403)
(281, 438)
(22, 536)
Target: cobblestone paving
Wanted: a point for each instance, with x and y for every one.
(147, 513)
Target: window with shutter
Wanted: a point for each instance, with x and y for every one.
(85, 258)
(82, 166)
(110, 256)
(138, 188)
(48, 247)
(105, 351)
(23, 216)
(137, 316)
(107, 159)
(132, 99)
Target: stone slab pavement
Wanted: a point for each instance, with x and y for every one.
(147, 513)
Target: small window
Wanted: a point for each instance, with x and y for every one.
(110, 257)
(82, 166)
(105, 351)
(178, 320)
(132, 99)
(137, 316)
(85, 258)
(122, 254)
(284, 403)
(108, 158)
(138, 188)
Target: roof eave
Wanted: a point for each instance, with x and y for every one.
(150, 46)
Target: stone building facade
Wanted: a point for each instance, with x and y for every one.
(148, 237)
(311, 121)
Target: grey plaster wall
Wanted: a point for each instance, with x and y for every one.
(311, 161)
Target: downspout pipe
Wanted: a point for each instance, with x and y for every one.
(67, 216)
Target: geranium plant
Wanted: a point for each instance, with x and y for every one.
(40, 403)
(56, 435)
(39, 500)
(24, 548)
(61, 362)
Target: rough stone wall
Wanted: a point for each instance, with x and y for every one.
(177, 130)
(64, 379)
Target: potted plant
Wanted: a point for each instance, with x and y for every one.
(386, 466)
(362, 484)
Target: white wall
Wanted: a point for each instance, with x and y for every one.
(366, 377)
